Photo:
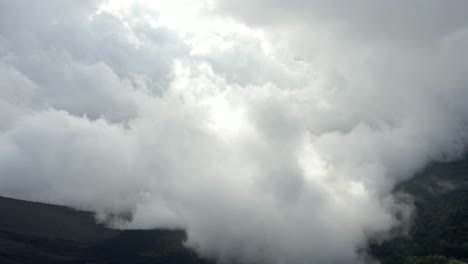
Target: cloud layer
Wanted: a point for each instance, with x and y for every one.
(271, 133)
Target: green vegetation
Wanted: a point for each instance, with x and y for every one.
(439, 232)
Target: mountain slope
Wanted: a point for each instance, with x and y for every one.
(439, 232)
(40, 233)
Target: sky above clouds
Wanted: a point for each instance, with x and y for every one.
(271, 131)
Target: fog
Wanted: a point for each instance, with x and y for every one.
(269, 132)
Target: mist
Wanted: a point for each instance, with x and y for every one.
(269, 132)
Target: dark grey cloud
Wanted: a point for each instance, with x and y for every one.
(418, 21)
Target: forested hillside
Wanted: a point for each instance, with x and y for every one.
(439, 232)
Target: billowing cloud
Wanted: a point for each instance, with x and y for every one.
(271, 133)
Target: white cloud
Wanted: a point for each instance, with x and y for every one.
(271, 138)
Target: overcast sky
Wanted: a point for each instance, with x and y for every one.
(271, 131)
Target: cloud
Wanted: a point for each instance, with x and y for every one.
(268, 136)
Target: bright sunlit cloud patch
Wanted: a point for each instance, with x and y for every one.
(195, 21)
(225, 120)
